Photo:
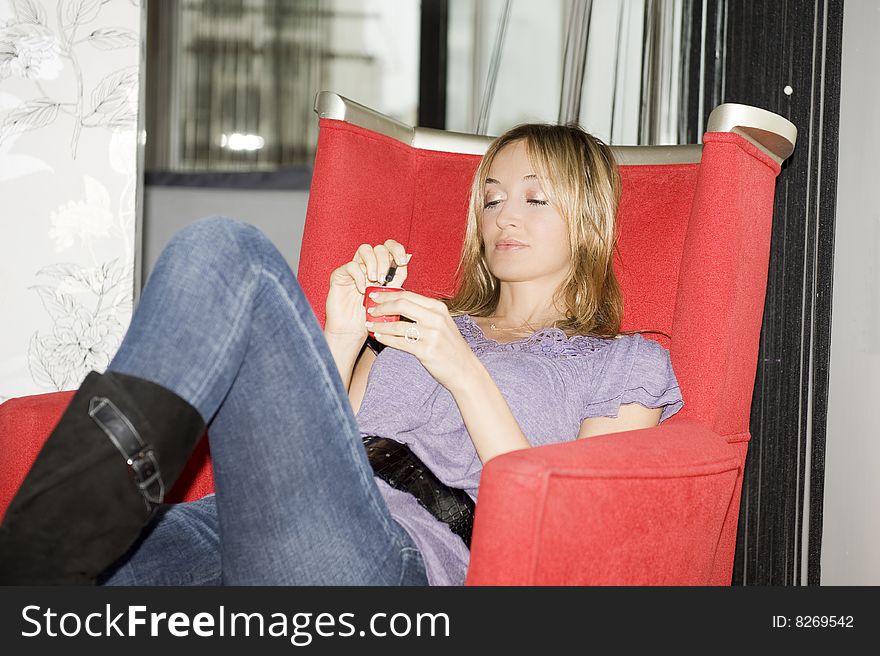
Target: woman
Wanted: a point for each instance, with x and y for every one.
(528, 352)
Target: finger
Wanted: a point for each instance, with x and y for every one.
(403, 308)
(399, 277)
(398, 252)
(383, 261)
(396, 328)
(368, 257)
(356, 271)
(401, 259)
(394, 341)
(417, 299)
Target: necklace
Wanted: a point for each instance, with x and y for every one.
(496, 328)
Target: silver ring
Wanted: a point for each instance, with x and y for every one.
(412, 334)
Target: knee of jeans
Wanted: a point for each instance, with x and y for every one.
(220, 234)
(214, 229)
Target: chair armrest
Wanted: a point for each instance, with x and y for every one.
(25, 424)
(642, 507)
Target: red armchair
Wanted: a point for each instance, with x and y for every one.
(656, 506)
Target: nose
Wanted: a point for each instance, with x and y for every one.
(507, 215)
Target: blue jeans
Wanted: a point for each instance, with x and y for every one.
(223, 323)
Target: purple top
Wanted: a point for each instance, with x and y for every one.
(551, 383)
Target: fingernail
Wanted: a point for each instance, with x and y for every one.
(374, 295)
(370, 311)
(408, 258)
(368, 324)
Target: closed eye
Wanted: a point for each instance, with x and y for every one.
(531, 201)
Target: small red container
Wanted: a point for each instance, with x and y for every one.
(369, 302)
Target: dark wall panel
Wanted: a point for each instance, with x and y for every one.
(785, 57)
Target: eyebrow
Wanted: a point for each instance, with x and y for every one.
(531, 176)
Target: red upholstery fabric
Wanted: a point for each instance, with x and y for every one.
(367, 188)
(658, 506)
(722, 282)
(653, 222)
(643, 498)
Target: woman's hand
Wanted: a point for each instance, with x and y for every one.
(440, 346)
(345, 300)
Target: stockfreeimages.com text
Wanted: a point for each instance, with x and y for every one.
(301, 628)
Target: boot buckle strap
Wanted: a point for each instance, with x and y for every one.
(138, 455)
(147, 476)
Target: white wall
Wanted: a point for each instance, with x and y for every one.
(851, 524)
(68, 182)
(280, 214)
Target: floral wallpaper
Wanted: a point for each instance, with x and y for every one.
(69, 76)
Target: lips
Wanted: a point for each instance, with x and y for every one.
(509, 245)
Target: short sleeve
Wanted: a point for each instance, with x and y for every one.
(634, 370)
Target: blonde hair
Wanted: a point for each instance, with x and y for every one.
(580, 178)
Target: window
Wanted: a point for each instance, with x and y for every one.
(231, 83)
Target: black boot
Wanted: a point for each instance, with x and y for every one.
(117, 450)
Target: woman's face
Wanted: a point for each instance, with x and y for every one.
(517, 209)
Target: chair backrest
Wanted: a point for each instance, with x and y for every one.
(694, 247)
(692, 255)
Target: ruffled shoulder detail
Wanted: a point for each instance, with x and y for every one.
(550, 342)
(635, 370)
